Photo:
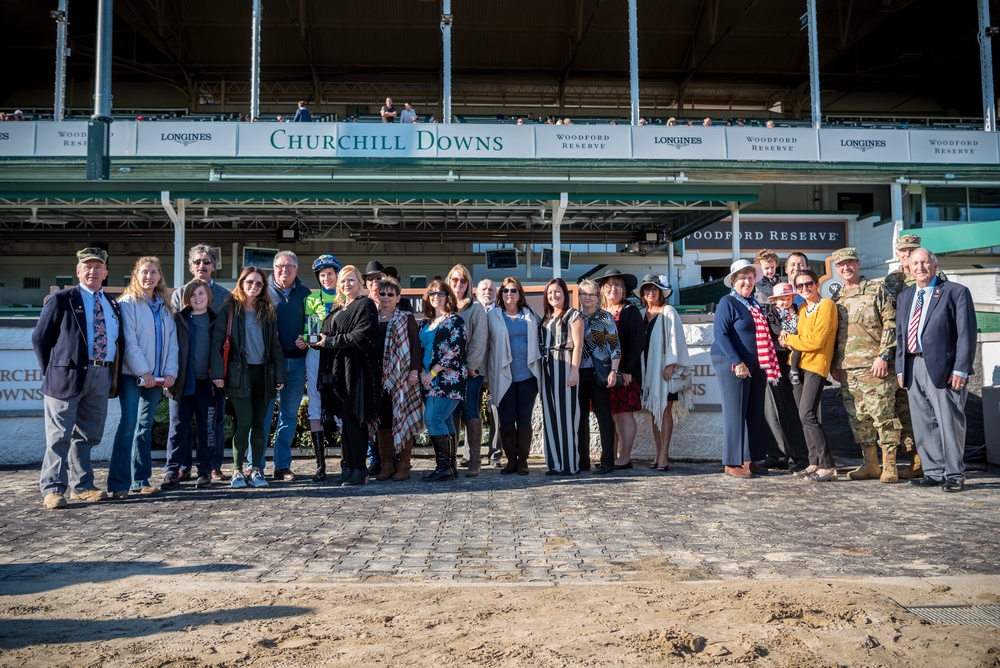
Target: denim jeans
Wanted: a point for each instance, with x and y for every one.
(131, 461)
(289, 400)
(438, 416)
(207, 406)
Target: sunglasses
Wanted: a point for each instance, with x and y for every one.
(800, 286)
(509, 291)
(387, 294)
(253, 284)
(200, 262)
(436, 293)
(456, 279)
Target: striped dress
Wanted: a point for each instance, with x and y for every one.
(560, 407)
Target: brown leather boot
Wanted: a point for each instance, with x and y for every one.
(508, 441)
(523, 450)
(889, 473)
(403, 470)
(474, 438)
(386, 452)
(869, 470)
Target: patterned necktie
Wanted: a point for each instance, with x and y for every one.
(100, 330)
(911, 333)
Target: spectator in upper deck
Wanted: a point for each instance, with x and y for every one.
(769, 124)
(707, 122)
(408, 115)
(302, 114)
(671, 122)
(388, 111)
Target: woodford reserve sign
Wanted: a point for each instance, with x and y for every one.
(589, 142)
(779, 235)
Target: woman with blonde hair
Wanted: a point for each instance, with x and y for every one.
(666, 378)
(252, 371)
(350, 371)
(149, 363)
(476, 343)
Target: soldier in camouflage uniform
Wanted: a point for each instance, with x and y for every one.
(864, 360)
(897, 281)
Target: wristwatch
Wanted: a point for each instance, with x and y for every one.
(885, 358)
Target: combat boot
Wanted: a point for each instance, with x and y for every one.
(889, 473)
(868, 470)
(913, 469)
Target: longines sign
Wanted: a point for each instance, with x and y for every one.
(478, 141)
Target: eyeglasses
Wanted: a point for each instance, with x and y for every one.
(800, 286)
(375, 278)
(436, 293)
(589, 295)
(509, 291)
(456, 279)
(253, 284)
(285, 267)
(387, 294)
(200, 262)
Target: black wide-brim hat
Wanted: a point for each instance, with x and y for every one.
(631, 282)
(376, 267)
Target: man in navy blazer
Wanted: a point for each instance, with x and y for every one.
(935, 349)
(77, 341)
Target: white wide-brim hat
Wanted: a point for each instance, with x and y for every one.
(740, 265)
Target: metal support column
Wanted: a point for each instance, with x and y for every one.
(671, 272)
(633, 58)
(99, 127)
(813, 65)
(446, 62)
(177, 218)
(896, 203)
(558, 211)
(985, 36)
(255, 61)
(62, 27)
(734, 208)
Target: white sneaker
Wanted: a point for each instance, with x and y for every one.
(257, 479)
(238, 481)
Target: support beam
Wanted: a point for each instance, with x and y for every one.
(99, 127)
(633, 58)
(177, 218)
(734, 208)
(672, 273)
(985, 38)
(896, 204)
(813, 65)
(255, 61)
(62, 27)
(446, 19)
(558, 211)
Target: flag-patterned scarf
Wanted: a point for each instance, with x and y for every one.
(766, 356)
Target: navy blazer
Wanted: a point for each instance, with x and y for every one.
(949, 336)
(60, 343)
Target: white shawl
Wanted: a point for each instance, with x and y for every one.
(666, 346)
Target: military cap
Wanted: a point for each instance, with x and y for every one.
(92, 254)
(844, 254)
(910, 241)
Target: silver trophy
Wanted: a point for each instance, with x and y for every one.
(314, 325)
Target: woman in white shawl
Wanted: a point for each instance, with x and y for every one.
(667, 374)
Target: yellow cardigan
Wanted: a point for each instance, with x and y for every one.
(816, 338)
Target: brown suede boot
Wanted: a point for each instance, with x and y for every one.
(508, 441)
(403, 470)
(869, 470)
(386, 452)
(523, 450)
(474, 437)
(913, 469)
(889, 473)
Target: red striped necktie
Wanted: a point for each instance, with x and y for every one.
(911, 333)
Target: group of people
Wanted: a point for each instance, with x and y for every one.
(371, 371)
(777, 341)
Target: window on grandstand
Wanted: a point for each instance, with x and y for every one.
(32, 283)
(962, 205)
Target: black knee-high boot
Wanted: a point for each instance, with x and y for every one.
(442, 457)
(319, 448)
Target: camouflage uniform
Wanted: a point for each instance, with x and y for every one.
(867, 331)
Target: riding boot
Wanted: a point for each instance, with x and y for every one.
(453, 454)
(386, 452)
(474, 437)
(889, 472)
(523, 450)
(442, 458)
(319, 448)
(403, 470)
(870, 468)
(508, 441)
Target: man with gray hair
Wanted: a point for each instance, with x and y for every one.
(288, 294)
(202, 263)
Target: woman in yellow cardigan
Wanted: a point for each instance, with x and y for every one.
(816, 337)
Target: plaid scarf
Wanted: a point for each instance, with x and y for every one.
(766, 356)
(407, 409)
